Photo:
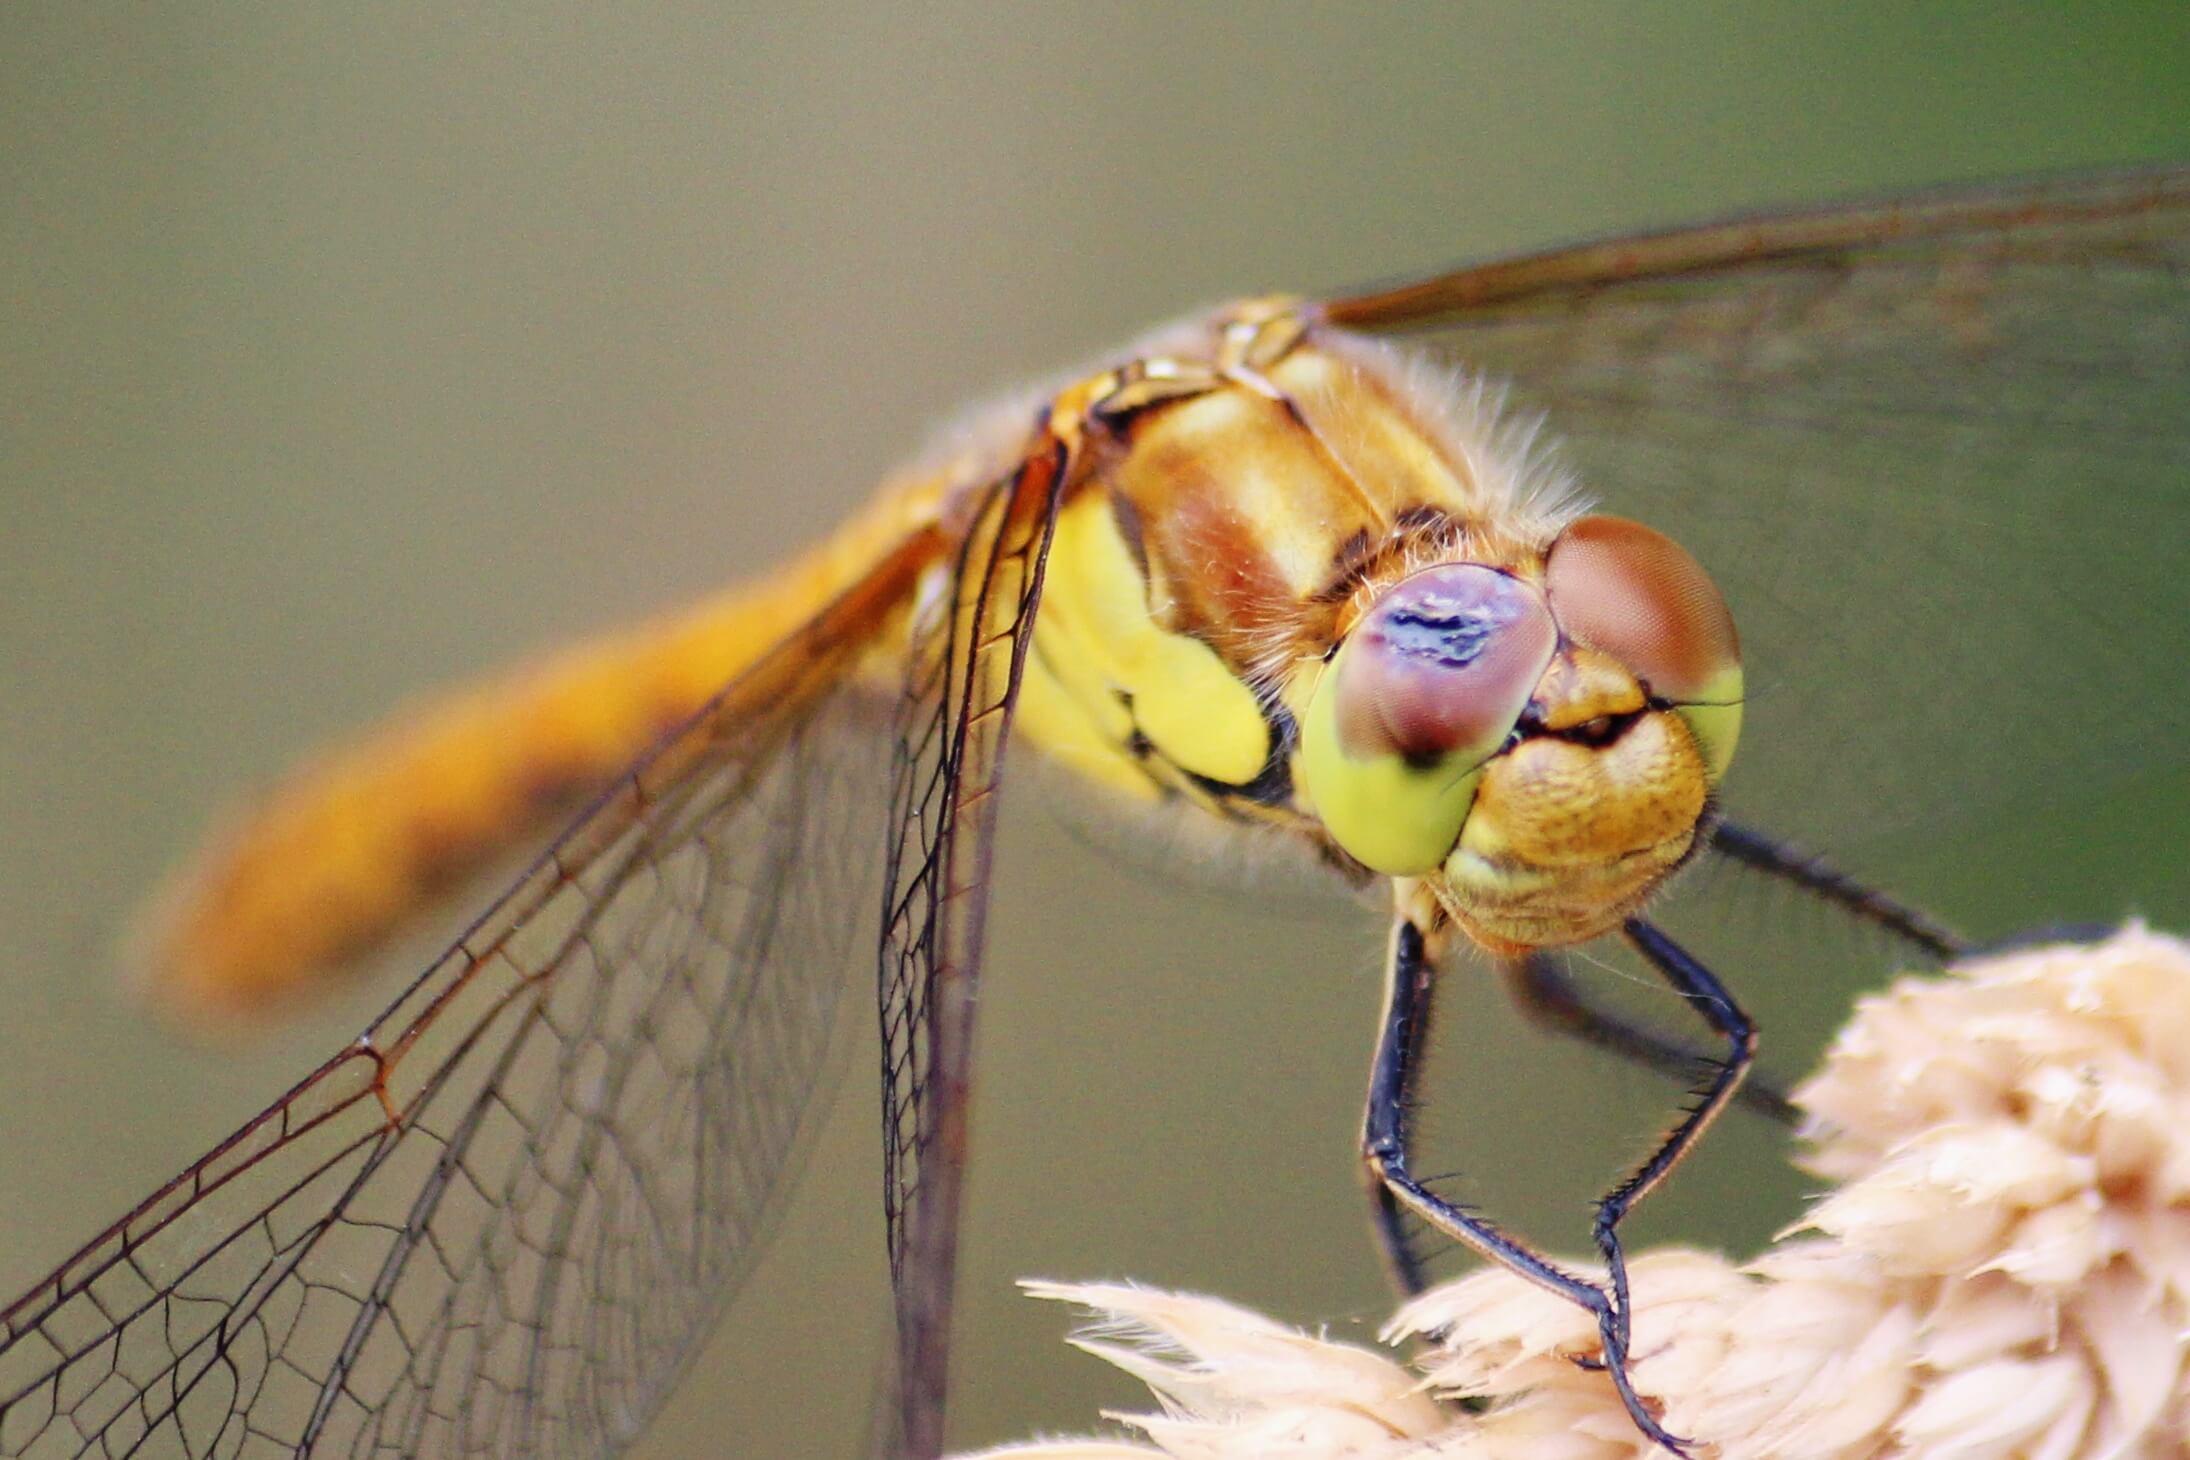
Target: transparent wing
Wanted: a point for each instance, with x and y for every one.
(968, 651)
(501, 1221)
(1937, 452)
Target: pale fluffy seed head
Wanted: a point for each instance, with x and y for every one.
(2004, 1270)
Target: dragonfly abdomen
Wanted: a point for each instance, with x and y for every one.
(362, 844)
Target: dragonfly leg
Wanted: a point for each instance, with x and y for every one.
(1408, 1004)
(1753, 849)
(1699, 987)
(1551, 999)
(1411, 980)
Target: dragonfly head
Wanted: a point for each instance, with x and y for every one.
(1541, 741)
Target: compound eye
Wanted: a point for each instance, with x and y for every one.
(1443, 664)
(1635, 594)
(1426, 688)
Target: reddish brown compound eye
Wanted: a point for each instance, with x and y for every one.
(1633, 593)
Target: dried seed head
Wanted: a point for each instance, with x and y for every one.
(2004, 1270)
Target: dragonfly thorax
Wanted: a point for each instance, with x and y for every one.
(1307, 583)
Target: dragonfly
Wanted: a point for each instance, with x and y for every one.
(1468, 588)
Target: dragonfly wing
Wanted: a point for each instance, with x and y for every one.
(501, 1222)
(1935, 451)
(969, 647)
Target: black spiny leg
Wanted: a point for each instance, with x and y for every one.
(1551, 999)
(1695, 983)
(1554, 1001)
(1753, 849)
(1405, 1033)
(1384, 1147)
(1548, 997)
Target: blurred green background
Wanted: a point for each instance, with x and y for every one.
(345, 349)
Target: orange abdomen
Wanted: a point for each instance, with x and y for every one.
(358, 845)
